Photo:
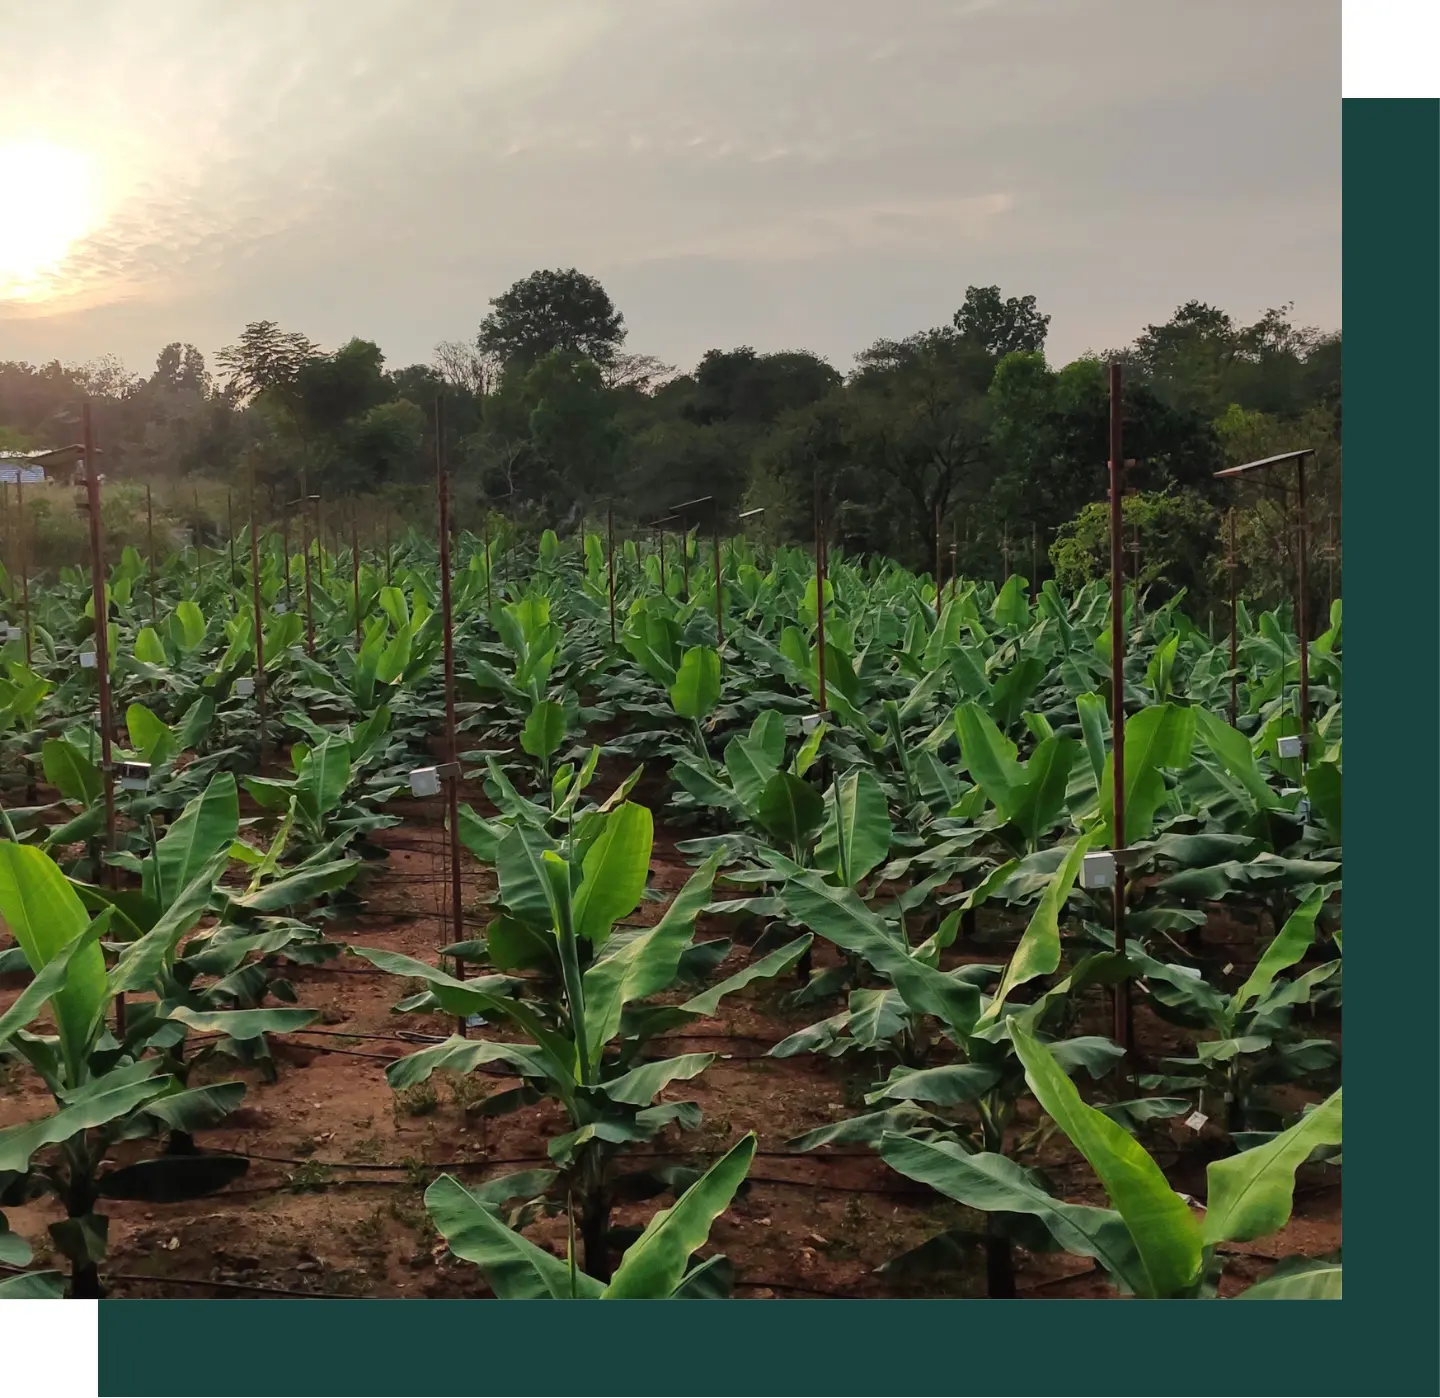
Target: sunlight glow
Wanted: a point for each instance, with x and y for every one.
(50, 202)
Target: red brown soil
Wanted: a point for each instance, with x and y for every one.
(332, 1204)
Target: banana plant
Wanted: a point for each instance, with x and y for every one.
(657, 1266)
(578, 1006)
(1149, 1240)
(105, 1090)
(1253, 1040)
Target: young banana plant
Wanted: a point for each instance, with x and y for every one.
(578, 1005)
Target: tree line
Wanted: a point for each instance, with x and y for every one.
(550, 419)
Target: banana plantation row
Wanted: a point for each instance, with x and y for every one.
(895, 809)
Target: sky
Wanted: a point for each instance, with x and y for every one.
(785, 174)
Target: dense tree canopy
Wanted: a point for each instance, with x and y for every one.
(547, 420)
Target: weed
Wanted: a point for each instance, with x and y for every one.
(311, 1177)
(419, 1100)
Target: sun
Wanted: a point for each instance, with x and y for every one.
(50, 203)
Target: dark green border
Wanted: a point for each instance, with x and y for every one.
(1380, 1339)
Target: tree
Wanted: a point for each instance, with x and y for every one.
(1000, 326)
(181, 367)
(464, 365)
(265, 357)
(740, 385)
(549, 311)
(331, 389)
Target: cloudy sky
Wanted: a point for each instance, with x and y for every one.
(780, 173)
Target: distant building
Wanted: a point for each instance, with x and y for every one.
(37, 467)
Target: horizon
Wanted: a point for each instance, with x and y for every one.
(814, 178)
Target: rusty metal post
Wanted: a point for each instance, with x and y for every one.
(661, 531)
(819, 595)
(1334, 554)
(1005, 554)
(684, 560)
(452, 747)
(23, 549)
(256, 602)
(102, 663)
(230, 546)
(1035, 563)
(609, 563)
(319, 542)
(489, 604)
(355, 573)
(309, 599)
(150, 546)
(285, 551)
(389, 563)
(939, 577)
(719, 591)
(1124, 1014)
(1302, 616)
(1232, 564)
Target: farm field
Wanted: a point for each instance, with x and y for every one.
(784, 961)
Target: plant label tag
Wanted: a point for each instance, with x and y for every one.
(1288, 746)
(244, 687)
(425, 781)
(1229, 966)
(14, 633)
(87, 659)
(280, 608)
(1097, 870)
(1196, 1120)
(474, 1021)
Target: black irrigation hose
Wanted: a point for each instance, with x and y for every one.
(232, 1286)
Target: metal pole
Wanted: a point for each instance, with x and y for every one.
(662, 560)
(1332, 556)
(355, 573)
(609, 563)
(819, 595)
(259, 619)
(938, 577)
(485, 527)
(309, 600)
(24, 552)
(1034, 563)
(150, 545)
(285, 549)
(102, 663)
(1233, 562)
(1123, 1011)
(1005, 553)
(230, 545)
(684, 560)
(319, 543)
(719, 592)
(452, 748)
(1303, 613)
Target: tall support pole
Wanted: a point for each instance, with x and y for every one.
(1034, 563)
(285, 551)
(1302, 613)
(389, 562)
(102, 661)
(819, 595)
(719, 591)
(939, 583)
(1005, 554)
(609, 563)
(24, 552)
(319, 542)
(309, 598)
(355, 574)
(662, 561)
(1333, 556)
(230, 546)
(150, 546)
(489, 603)
(1124, 1018)
(452, 747)
(1232, 565)
(256, 602)
(684, 560)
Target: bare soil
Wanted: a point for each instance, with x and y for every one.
(332, 1204)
